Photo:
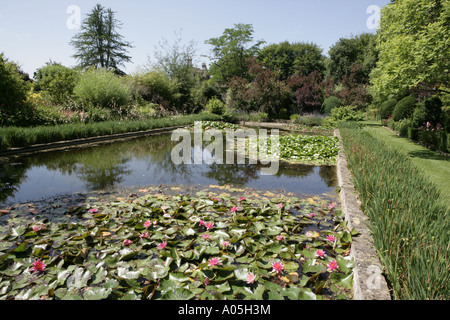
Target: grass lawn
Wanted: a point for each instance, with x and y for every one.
(435, 166)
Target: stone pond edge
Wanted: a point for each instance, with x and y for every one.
(368, 280)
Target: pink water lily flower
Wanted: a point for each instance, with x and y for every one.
(93, 210)
(38, 266)
(320, 253)
(201, 223)
(144, 235)
(332, 265)
(209, 225)
(250, 278)
(234, 209)
(36, 228)
(162, 245)
(225, 243)
(126, 242)
(331, 238)
(280, 205)
(331, 206)
(241, 198)
(280, 238)
(147, 223)
(214, 262)
(206, 236)
(277, 267)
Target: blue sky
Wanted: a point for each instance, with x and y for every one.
(33, 32)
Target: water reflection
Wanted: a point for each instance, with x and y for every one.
(141, 162)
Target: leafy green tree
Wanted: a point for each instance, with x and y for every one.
(231, 51)
(289, 58)
(56, 81)
(347, 52)
(99, 44)
(414, 48)
(175, 60)
(13, 92)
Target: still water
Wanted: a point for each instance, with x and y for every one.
(143, 162)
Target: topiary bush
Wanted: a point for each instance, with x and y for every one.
(387, 108)
(330, 103)
(283, 114)
(102, 88)
(428, 110)
(216, 106)
(404, 108)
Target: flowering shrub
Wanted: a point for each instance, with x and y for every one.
(429, 134)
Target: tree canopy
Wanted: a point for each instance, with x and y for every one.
(289, 58)
(414, 47)
(231, 51)
(99, 44)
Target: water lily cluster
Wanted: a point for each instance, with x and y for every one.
(218, 243)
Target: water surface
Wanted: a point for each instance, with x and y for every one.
(142, 162)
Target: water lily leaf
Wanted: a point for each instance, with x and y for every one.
(97, 293)
(342, 280)
(124, 273)
(178, 294)
(274, 230)
(100, 275)
(178, 276)
(241, 274)
(21, 247)
(307, 294)
(127, 254)
(79, 279)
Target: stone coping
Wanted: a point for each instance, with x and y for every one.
(368, 280)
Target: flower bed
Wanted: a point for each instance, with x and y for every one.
(216, 243)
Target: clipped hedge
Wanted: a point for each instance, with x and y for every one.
(404, 108)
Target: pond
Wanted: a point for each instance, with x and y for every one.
(121, 221)
(143, 162)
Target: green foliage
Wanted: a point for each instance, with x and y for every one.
(402, 126)
(216, 106)
(348, 52)
(21, 137)
(99, 44)
(56, 81)
(283, 114)
(393, 192)
(156, 87)
(387, 108)
(330, 103)
(175, 61)
(310, 120)
(13, 91)
(345, 113)
(404, 108)
(315, 149)
(102, 88)
(414, 47)
(231, 51)
(286, 59)
(428, 110)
